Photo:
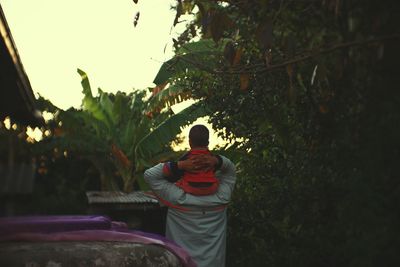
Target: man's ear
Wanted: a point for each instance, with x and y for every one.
(190, 143)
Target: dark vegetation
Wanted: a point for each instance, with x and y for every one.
(312, 88)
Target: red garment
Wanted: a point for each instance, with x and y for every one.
(200, 183)
(197, 191)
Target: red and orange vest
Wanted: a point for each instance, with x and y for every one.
(200, 183)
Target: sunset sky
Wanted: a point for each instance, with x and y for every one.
(55, 37)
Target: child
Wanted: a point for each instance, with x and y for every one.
(199, 183)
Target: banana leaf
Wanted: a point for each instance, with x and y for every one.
(167, 97)
(204, 53)
(164, 133)
(93, 106)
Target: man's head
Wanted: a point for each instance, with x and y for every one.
(198, 136)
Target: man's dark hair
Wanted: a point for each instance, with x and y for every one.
(198, 136)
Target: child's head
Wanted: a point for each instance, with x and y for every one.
(198, 136)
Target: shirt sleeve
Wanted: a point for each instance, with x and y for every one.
(172, 193)
(161, 186)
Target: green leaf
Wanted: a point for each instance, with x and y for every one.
(85, 84)
(167, 70)
(203, 46)
(107, 106)
(189, 57)
(128, 137)
(91, 104)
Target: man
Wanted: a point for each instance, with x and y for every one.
(197, 223)
(199, 183)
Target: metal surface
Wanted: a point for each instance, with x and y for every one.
(97, 197)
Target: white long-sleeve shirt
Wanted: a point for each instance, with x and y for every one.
(202, 230)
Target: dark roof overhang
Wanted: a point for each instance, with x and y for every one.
(16, 96)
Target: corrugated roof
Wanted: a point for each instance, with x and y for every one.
(136, 197)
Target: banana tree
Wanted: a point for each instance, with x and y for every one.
(117, 133)
(195, 58)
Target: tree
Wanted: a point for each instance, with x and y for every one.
(118, 133)
(311, 89)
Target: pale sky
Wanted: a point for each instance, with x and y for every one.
(55, 37)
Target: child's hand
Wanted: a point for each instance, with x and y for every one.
(186, 165)
(206, 162)
(198, 163)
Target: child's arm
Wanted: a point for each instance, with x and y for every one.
(171, 172)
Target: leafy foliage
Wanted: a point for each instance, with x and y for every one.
(115, 133)
(310, 88)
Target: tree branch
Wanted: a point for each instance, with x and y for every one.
(250, 69)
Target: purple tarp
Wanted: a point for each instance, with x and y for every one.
(81, 228)
(52, 224)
